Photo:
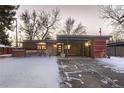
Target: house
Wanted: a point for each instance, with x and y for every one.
(83, 45)
(5, 49)
(72, 45)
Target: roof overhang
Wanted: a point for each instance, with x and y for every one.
(38, 41)
(80, 37)
(116, 44)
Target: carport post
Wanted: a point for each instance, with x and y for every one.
(67, 47)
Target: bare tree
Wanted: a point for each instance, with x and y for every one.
(115, 14)
(69, 28)
(49, 21)
(31, 25)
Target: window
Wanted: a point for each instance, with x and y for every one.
(41, 45)
(67, 46)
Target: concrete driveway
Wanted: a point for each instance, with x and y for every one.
(88, 73)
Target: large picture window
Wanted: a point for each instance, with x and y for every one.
(41, 46)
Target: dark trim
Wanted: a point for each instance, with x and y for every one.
(80, 37)
(37, 41)
(116, 44)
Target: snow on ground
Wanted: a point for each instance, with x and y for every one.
(115, 63)
(29, 72)
(6, 55)
(1, 45)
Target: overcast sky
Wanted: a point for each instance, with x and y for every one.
(88, 15)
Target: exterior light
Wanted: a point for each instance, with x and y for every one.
(87, 44)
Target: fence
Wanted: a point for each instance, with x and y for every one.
(116, 48)
(6, 50)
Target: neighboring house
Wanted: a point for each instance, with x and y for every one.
(71, 45)
(5, 49)
(116, 48)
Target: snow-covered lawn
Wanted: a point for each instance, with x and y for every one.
(115, 63)
(29, 72)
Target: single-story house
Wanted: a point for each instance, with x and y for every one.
(72, 45)
(5, 49)
(83, 45)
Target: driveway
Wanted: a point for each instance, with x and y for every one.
(29, 72)
(88, 73)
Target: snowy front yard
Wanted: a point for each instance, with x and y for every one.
(29, 72)
(115, 63)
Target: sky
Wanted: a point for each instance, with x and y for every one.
(88, 15)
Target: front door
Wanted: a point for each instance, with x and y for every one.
(86, 49)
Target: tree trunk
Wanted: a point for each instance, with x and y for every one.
(47, 30)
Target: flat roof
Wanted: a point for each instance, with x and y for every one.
(36, 41)
(116, 43)
(81, 37)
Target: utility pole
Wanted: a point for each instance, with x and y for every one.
(16, 33)
(100, 32)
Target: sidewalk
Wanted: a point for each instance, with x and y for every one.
(5, 55)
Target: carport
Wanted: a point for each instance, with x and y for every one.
(82, 45)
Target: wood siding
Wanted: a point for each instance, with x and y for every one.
(99, 48)
(116, 50)
(30, 45)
